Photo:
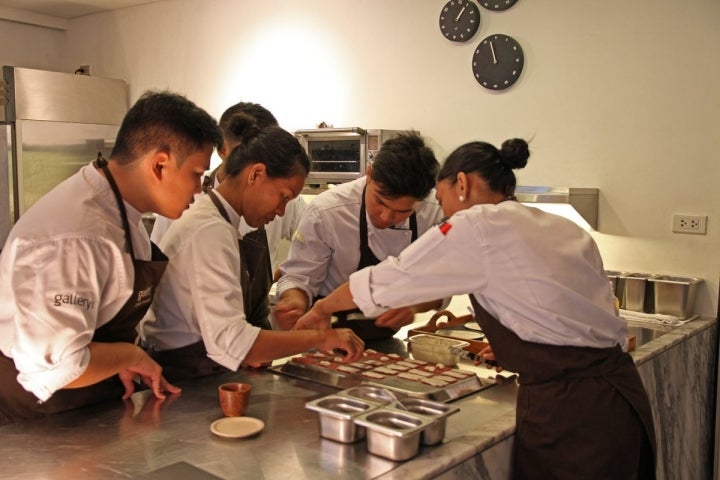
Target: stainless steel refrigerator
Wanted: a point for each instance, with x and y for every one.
(51, 124)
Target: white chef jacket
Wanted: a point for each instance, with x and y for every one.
(200, 297)
(539, 274)
(325, 249)
(64, 272)
(280, 228)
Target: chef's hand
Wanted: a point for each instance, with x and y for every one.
(149, 372)
(489, 357)
(314, 319)
(344, 339)
(396, 318)
(289, 308)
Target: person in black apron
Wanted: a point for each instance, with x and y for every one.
(136, 162)
(599, 389)
(257, 277)
(582, 410)
(388, 208)
(365, 328)
(264, 171)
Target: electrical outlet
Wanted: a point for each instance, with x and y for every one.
(690, 224)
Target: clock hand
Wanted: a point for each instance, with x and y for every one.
(457, 19)
(492, 50)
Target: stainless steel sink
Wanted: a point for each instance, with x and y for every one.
(644, 334)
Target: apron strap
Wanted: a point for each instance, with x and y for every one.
(218, 204)
(101, 163)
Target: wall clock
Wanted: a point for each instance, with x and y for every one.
(497, 5)
(497, 62)
(459, 20)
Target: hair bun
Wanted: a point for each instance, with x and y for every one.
(514, 153)
(242, 126)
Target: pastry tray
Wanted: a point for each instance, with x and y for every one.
(459, 388)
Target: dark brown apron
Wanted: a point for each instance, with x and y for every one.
(17, 403)
(191, 361)
(581, 412)
(366, 328)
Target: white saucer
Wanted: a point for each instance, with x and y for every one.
(237, 427)
(464, 334)
(473, 326)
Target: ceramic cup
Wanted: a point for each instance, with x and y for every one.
(234, 398)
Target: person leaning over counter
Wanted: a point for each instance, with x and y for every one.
(197, 325)
(539, 291)
(280, 228)
(78, 270)
(357, 224)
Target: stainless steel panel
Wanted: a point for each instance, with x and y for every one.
(50, 152)
(64, 97)
(6, 191)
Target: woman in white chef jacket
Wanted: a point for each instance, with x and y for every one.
(538, 288)
(280, 228)
(197, 325)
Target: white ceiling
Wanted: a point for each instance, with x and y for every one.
(70, 9)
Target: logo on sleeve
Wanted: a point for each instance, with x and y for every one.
(73, 299)
(445, 227)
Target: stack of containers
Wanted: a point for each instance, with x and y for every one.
(655, 294)
(394, 428)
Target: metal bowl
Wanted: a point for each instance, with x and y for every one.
(336, 416)
(435, 349)
(438, 412)
(393, 434)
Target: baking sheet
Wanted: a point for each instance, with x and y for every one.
(341, 380)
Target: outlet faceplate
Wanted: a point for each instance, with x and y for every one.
(690, 224)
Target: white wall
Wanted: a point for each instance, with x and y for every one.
(616, 95)
(30, 47)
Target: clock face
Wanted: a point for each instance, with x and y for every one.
(497, 5)
(497, 62)
(459, 20)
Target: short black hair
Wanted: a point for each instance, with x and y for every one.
(277, 149)
(405, 166)
(164, 121)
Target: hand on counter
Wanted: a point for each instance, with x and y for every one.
(151, 375)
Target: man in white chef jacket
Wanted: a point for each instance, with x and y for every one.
(358, 224)
(78, 270)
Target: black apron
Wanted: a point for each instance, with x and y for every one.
(366, 328)
(581, 412)
(17, 403)
(191, 361)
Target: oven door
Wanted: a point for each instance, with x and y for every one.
(336, 154)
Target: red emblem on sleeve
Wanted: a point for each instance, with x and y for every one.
(445, 227)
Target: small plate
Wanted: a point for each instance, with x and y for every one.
(473, 326)
(237, 427)
(464, 334)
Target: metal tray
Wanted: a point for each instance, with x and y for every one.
(341, 380)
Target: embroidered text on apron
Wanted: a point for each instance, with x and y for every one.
(581, 412)
(191, 360)
(23, 404)
(366, 328)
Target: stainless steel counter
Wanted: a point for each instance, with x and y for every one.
(138, 437)
(150, 439)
